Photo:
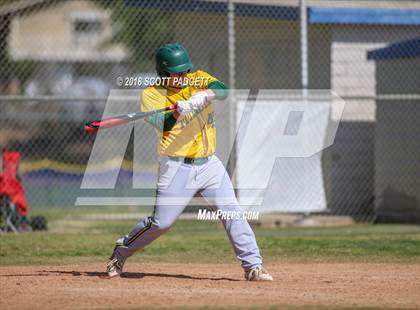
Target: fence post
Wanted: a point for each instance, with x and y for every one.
(232, 102)
(304, 45)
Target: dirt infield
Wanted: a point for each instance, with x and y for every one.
(166, 285)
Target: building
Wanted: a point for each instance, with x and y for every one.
(75, 30)
(57, 42)
(397, 131)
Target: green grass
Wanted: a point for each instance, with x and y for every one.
(74, 238)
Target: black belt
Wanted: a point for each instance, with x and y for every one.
(190, 161)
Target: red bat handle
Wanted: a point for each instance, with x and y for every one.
(94, 126)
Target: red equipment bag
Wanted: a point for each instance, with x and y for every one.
(9, 183)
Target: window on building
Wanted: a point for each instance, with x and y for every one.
(88, 30)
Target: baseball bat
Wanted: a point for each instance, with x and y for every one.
(94, 126)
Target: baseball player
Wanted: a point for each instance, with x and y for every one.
(187, 161)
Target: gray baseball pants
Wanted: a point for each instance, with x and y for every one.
(177, 184)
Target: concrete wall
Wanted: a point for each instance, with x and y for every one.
(267, 50)
(397, 145)
(268, 54)
(351, 73)
(349, 163)
(205, 37)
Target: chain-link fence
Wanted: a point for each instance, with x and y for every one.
(60, 59)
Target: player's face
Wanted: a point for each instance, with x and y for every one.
(176, 79)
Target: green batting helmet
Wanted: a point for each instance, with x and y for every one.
(172, 58)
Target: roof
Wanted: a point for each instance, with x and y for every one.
(404, 49)
(319, 12)
(365, 16)
(316, 14)
(402, 4)
(220, 7)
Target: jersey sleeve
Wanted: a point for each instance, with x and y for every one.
(153, 99)
(208, 81)
(220, 90)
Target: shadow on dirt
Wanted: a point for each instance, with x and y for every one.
(129, 275)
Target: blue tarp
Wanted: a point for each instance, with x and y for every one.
(403, 49)
(363, 16)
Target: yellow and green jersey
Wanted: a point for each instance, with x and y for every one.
(193, 136)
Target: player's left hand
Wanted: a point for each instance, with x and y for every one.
(195, 102)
